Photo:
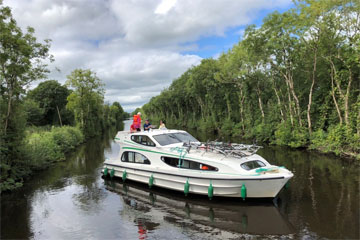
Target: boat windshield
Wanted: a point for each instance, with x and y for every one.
(170, 138)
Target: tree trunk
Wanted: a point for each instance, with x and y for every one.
(260, 104)
(290, 105)
(201, 107)
(346, 101)
(311, 92)
(8, 111)
(59, 115)
(291, 84)
(288, 77)
(345, 97)
(241, 103)
(279, 101)
(333, 76)
(228, 104)
(287, 81)
(358, 122)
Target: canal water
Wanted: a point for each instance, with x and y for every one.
(71, 201)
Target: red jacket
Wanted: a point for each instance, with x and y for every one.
(137, 121)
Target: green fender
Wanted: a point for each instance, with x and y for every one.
(186, 187)
(243, 192)
(210, 191)
(151, 181)
(106, 171)
(124, 175)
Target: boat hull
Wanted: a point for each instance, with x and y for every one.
(256, 187)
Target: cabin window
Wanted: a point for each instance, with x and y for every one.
(188, 164)
(252, 165)
(185, 137)
(170, 138)
(143, 140)
(134, 157)
(166, 139)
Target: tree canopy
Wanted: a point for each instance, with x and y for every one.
(293, 81)
(51, 97)
(86, 101)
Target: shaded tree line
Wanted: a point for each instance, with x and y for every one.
(294, 81)
(38, 126)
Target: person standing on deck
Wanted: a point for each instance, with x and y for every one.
(137, 121)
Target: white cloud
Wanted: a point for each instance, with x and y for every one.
(134, 46)
(165, 6)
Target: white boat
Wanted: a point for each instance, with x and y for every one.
(174, 159)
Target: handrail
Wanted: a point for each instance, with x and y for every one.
(238, 150)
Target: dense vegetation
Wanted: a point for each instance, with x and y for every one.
(293, 81)
(39, 126)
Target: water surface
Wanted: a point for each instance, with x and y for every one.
(71, 201)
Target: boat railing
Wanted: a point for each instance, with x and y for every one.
(238, 150)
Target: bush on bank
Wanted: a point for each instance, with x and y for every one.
(42, 147)
(46, 147)
(339, 140)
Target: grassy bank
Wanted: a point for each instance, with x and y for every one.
(46, 147)
(41, 147)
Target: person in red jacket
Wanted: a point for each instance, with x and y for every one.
(132, 128)
(137, 121)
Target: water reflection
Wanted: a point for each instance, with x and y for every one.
(200, 214)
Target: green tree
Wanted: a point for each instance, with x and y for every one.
(117, 112)
(86, 101)
(20, 63)
(52, 98)
(292, 81)
(135, 111)
(34, 112)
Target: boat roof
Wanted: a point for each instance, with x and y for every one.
(225, 149)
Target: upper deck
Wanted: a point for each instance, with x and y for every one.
(160, 138)
(185, 144)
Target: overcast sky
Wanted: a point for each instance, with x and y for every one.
(138, 47)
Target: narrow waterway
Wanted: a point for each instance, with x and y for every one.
(71, 201)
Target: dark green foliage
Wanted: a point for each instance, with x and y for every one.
(21, 63)
(51, 98)
(227, 127)
(13, 165)
(135, 112)
(263, 132)
(34, 112)
(116, 115)
(40, 149)
(338, 139)
(283, 134)
(286, 135)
